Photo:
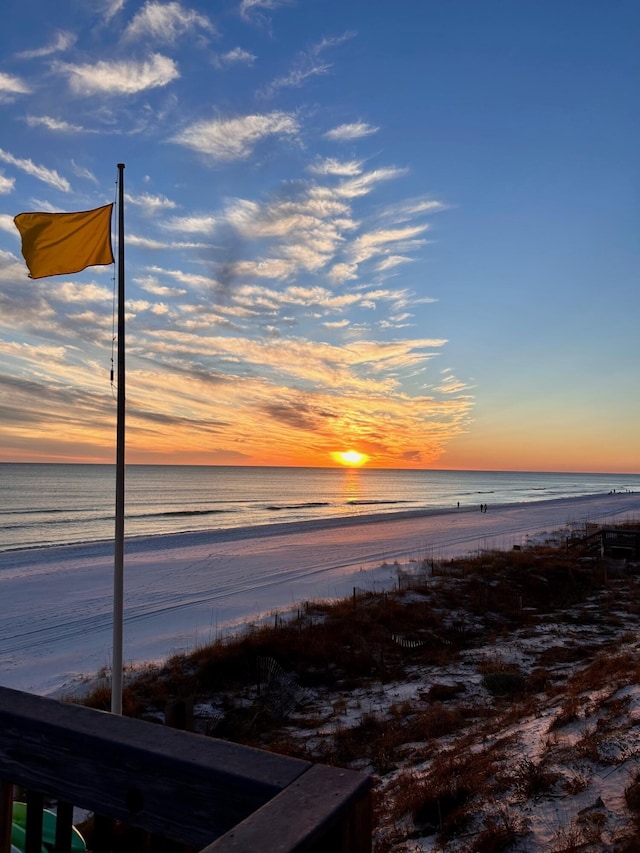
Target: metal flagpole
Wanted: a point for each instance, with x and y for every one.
(118, 568)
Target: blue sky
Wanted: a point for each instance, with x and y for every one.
(408, 229)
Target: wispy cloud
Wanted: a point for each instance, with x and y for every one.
(363, 184)
(166, 22)
(313, 229)
(43, 205)
(392, 261)
(7, 224)
(150, 285)
(410, 208)
(191, 224)
(451, 385)
(296, 78)
(83, 172)
(48, 176)
(185, 278)
(377, 242)
(112, 7)
(124, 77)
(347, 132)
(236, 138)
(153, 243)
(56, 125)
(237, 56)
(70, 292)
(306, 232)
(307, 65)
(331, 166)
(6, 184)
(10, 85)
(63, 41)
(251, 10)
(150, 204)
(321, 299)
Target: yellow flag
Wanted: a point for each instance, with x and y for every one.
(64, 243)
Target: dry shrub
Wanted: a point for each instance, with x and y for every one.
(444, 692)
(568, 713)
(632, 795)
(531, 779)
(379, 738)
(538, 680)
(571, 652)
(629, 843)
(375, 738)
(505, 684)
(576, 783)
(445, 796)
(616, 706)
(444, 811)
(568, 840)
(591, 824)
(590, 746)
(403, 797)
(500, 831)
(438, 721)
(99, 698)
(435, 802)
(609, 669)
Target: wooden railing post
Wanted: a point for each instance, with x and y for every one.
(64, 821)
(33, 836)
(6, 813)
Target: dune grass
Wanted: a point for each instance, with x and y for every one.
(475, 693)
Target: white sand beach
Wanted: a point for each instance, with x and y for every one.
(186, 590)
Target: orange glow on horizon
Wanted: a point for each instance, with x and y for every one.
(350, 457)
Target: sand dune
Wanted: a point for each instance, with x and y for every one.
(187, 589)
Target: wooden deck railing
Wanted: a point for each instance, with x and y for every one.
(206, 794)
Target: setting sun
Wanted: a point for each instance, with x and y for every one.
(350, 457)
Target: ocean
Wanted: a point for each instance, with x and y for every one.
(57, 504)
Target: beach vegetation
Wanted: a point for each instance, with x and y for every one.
(477, 698)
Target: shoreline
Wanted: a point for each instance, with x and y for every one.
(276, 528)
(188, 589)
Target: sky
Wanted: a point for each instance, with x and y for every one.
(405, 230)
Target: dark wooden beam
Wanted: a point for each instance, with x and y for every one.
(326, 810)
(183, 786)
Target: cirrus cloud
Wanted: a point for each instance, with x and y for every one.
(346, 132)
(63, 41)
(11, 85)
(48, 176)
(236, 138)
(53, 124)
(6, 184)
(166, 22)
(124, 77)
(250, 9)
